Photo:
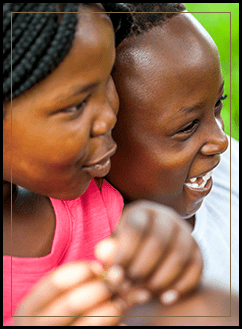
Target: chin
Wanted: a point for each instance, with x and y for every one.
(188, 213)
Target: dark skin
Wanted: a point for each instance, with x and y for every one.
(201, 308)
(58, 127)
(61, 127)
(47, 298)
(169, 126)
(161, 148)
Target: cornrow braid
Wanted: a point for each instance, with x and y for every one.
(157, 14)
(18, 25)
(38, 21)
(7, 8)
(40, 40)
(35, 57)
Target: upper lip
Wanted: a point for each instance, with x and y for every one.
(101, 159)
(205, 172)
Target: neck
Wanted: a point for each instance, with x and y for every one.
(191, 220)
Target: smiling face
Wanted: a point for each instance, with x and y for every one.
(169, 128)
(61, 127)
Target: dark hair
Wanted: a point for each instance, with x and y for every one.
(157, 14)
(41, 39)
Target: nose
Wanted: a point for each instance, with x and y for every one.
(217, 141)
(107, 112)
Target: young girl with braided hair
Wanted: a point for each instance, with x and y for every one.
(61, 64)
(57, 147)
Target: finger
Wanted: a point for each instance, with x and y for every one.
(176, 261)
(151, 252)
(161, 229)
(141, 221)
(53, 285)
(105, 251)
(63, 310)
(169, 297)
(137, 296)
(106, 314)
(133, 228)
(191, 277)
(188, 281)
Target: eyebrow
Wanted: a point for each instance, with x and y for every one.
(80, 89)
(198, 106)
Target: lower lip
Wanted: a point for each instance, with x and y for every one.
(100, 169)
(202, 192)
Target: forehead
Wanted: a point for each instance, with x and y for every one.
(179, 51)
(87, 62)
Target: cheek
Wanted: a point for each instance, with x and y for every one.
(49, 148)
(163, 173)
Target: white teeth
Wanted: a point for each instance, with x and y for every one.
(195, 185)
(208, 175)
(205, 178)
(193, 179)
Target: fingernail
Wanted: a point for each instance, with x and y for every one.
(121, 304)
(115, 274)
(96, 268)
(105, 250)
(143, 296)
(169, 297)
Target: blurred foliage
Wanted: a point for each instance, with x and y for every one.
(215, 18)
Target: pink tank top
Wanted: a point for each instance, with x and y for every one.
(80, 224)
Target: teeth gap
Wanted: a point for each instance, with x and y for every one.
(203, 182)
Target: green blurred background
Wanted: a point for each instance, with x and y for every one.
(216, 21)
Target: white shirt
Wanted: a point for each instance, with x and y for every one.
(213, 221)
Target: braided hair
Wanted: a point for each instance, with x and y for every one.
(157, 14)
(41, 38)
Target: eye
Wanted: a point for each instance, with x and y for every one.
(189, 128)
(219, 102)
(219, 105)
(76, 108)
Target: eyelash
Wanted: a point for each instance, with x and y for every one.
(75, 109)
(190, 128)
(219, 104)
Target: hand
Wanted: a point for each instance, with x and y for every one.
(153, 249)
(212, 304)
(73, 290)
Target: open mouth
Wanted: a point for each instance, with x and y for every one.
(199, 183)
(101, 166)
